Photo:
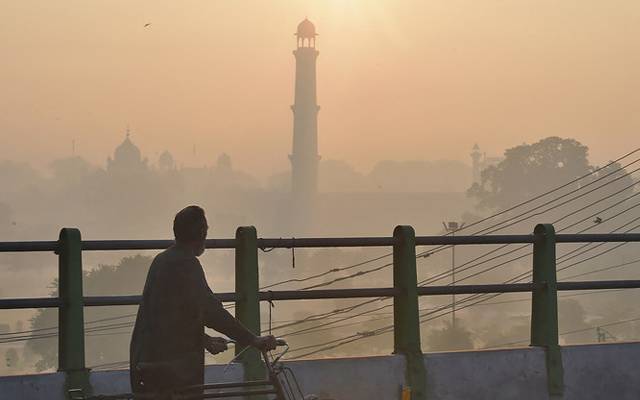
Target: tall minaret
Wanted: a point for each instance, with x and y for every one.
(304, 157)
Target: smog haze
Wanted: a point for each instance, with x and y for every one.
(397, 80)
(324, 119)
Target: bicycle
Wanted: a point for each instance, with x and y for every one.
(280, 382)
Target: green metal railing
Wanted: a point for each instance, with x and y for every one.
(405, 291)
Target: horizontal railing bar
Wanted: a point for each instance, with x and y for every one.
(92, 301)
(473, 289)
(239, 393)
(134, 300)
(326, 294)
(104, 245)
(263, 296)
(100, 301)
(226, 385)
(595, 285)
(597, 237)
(286, 243)
(18, 247)
(282, 243)
(39, 302)
(487, 239)
(121, 396)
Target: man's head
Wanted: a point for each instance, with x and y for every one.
(190, 228)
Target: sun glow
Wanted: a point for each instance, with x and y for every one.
(377, 17)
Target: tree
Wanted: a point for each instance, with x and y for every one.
(11, 358)
(70, 170)
(107, 333)
(573, 317)
(449, 338)
(528, 170)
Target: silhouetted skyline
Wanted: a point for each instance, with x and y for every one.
(398, 80)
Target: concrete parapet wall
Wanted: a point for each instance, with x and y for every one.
(112, 382)
(605, 371)
(363, 378)
(590, 372)
(491, 374)
(337, 378)
(32, 387)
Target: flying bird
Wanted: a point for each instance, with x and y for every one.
(147, 25)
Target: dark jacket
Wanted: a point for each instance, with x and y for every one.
(177, 304)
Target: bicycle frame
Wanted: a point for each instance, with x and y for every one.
(280, 381)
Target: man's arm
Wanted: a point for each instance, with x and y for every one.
(216, 317)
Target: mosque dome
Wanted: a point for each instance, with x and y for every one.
(126, 157)
(127, 152)
(306, 30)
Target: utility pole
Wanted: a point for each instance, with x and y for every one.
(603, 335)
(452, 227)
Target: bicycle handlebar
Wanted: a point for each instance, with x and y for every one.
(279, 342)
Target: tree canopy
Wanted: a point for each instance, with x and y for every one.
(528, 170)
(107, 329)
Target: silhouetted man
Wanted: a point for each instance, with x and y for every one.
(168, 341)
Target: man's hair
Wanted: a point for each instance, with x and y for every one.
(190, 224)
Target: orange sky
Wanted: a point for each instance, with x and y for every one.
(398, 79)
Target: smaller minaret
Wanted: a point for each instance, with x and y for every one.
(476, 161)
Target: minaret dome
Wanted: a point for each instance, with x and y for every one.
(306, 30)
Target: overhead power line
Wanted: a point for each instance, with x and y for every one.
(470, 301)
(571, 332)
(447, 274)
(440, 248)
(542, 195)
(470, 264)
(444, 247)
(521, 276)
(335, 270)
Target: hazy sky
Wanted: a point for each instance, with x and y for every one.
(397, 79)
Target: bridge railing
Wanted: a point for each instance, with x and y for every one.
(247, 296)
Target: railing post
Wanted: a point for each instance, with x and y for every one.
(544, 305)
(71, 312)
(406, 317)
(247, 302)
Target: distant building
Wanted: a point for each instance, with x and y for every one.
(304, 157)
(224, 162)
(126, 158)
(166, 161)
(480, 161)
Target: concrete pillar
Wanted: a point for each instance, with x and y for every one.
(406, 317)
(248, 303)
(544, 305)
(71, 358)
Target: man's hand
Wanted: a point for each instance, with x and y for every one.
(215, 345)
(264, 343)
